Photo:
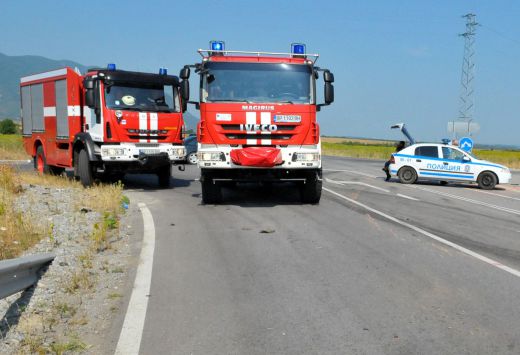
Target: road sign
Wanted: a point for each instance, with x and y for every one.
(466, 144)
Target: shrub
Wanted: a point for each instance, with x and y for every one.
(7, 126)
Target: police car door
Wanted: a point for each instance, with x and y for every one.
(457, 167)
(427, 161)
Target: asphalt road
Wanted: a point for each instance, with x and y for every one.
(360, 273)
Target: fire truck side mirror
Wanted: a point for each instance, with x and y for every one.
(185, 93)
(185, 73)
(329, 93)
(328, 77)
(90, 98)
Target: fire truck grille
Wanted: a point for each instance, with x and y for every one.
(258, 136)
(236, 127)
(147, 145)
(148, 137)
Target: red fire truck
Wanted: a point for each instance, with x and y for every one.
(104, 124)
(258, 119)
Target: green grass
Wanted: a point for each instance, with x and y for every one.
(509, 158)
(11, 147)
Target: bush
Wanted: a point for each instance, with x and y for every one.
(7, 126)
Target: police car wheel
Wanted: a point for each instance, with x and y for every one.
(407, 175)
(192, 158)
(487, 180)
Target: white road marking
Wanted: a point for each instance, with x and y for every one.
(368, 185)
(132, 331)
(460, 248)
(7, 161)
(408, 197)
(356, 183)
(352, 172)
(476, 202)
(494, 194)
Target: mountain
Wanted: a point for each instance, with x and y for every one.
(12, 68)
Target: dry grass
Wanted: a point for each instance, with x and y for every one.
(17, 232)
(11, 147)
(357, 141)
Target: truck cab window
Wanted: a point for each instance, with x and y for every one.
(141, 97)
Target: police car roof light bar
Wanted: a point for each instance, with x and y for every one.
(403, 129)
(209, 52)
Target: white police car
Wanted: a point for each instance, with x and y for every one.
(432, 161)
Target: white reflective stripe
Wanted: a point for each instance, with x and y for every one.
(265, 118)
(74, 110)
(266, 141)
(143, 124)
(251, 120)
(46, 75)
(154, 125)
(49, 111)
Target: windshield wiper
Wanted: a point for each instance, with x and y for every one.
(285, 102)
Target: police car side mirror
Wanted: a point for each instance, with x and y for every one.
(465, 158)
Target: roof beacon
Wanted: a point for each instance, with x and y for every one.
(216, 45)
(163, 71)
(111, 66)
(298, 50)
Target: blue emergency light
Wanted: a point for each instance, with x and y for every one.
(216, 45)
(163, 71)
(298, 48)
(111, 66)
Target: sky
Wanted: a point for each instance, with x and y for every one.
(393, 61)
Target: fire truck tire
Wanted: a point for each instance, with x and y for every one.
(85, 173)
(164, 174)
(40, 162)
(310, 192)
(211, 192)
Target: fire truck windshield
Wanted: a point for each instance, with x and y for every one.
(141, 97)
(257, 82)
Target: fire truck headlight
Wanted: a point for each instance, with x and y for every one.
(215, 156)
(306, 157)
(180, 152)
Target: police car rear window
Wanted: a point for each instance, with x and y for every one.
(427, 151)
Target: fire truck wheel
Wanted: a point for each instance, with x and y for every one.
(211, 192)
(164, 175)
(85, 169)
(311, 191)
(40, 162)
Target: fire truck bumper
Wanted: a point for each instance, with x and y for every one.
(292, 157)
(139, 152)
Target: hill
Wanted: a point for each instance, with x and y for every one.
(12, 68)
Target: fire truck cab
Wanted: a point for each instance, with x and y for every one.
(258, 119)
(104, 124)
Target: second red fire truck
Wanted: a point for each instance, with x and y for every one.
(104, 124)
(258, 119)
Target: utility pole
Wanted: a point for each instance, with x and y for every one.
(468, 70)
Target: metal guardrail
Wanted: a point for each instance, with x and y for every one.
(18, 274)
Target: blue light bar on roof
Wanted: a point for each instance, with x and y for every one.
(111, 66)
(163, 71)
(216, 45)
(298, 48)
